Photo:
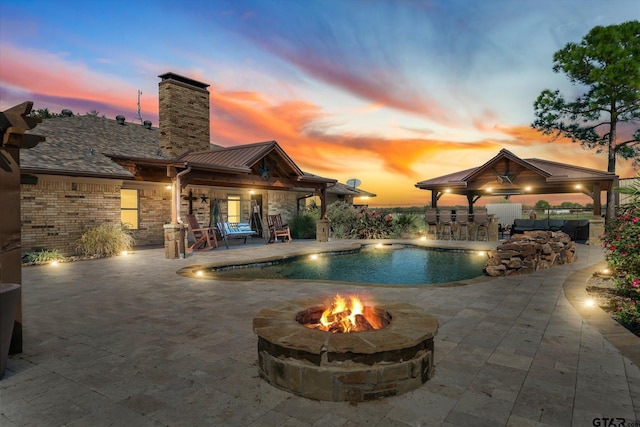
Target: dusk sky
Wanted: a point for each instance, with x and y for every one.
(389, 92)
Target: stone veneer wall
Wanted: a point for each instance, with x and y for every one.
(283, 203)
(57, 210)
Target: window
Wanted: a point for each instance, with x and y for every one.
(129, 208)
(233, 208)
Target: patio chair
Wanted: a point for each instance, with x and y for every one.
(204, 238)
(278, 229)
(446, 222)
(431, 219)
(481, 221)
(462, 222)
(240, 230)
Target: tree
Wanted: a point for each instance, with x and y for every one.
(44, 113)
(542, 204)
(606, 64)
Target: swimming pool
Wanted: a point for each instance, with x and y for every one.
(382, 264)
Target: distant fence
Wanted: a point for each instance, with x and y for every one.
(505, 213)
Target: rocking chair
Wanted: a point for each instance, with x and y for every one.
(278, 229)
(203, 237)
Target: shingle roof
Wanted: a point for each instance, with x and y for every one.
(84, 145)
(79, 145)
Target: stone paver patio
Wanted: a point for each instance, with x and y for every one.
(127, 341)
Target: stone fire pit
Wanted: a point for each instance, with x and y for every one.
(353, 366)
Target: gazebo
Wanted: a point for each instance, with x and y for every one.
(507, 174)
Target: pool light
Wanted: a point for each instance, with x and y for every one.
(313, 257)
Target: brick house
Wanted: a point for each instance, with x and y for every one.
(92, 170)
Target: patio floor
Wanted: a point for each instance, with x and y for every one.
(127, 341)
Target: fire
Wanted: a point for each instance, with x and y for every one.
(349, 315)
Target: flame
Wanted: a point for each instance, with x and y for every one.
(342, 316)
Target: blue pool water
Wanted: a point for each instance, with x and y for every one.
(385, 265)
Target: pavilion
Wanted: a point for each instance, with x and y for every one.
(507, 175)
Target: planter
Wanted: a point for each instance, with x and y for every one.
(9, 297)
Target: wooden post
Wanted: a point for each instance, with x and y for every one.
(13, 125)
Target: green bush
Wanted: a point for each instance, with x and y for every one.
(373, 225)
(407, 225)
(43, 256)
(104, 241)
(343, 217)
(622, 241)
(303, 226)
(627, 315)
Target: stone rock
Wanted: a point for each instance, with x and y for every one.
(496, 270)
(530, 251)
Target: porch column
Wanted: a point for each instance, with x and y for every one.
(323, 226)
(595, 195)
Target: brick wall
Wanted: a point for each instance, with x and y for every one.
(155, 211)
(56, 211)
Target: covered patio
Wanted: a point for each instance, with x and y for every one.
(261, 167)
(508, 175)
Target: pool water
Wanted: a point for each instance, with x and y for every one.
(385, 265)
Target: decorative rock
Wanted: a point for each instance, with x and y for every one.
(530, 251)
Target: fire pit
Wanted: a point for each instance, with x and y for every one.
(392, 352)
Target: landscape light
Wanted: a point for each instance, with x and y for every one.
(589, 303)
(54, 263)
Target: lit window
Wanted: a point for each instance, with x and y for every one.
(233, 208)
(129, 208)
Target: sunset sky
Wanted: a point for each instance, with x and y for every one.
(389, 92)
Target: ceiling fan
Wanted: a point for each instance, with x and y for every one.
(265, 171)
(506, 177)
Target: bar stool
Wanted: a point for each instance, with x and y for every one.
(446, 223)
(481, 220)
(431, 219)
(462, 222)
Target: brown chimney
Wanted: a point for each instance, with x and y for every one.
(184, 115)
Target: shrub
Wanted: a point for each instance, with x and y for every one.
(343, 217)
(105, 240)
(627, 315)
(303, 226)
(43, 256)
(622, 241)
(407, 224)
(373, 225)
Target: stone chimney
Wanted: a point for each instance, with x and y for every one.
(184, 115)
